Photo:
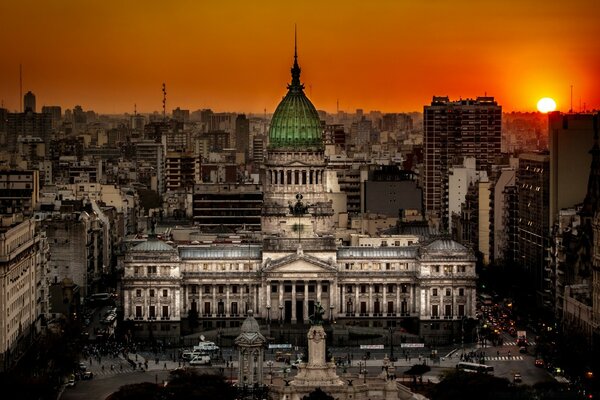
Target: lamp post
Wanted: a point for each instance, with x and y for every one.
(268, 314)
(392, 358)
(271, 371)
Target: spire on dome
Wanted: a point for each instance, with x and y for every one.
(295, 85)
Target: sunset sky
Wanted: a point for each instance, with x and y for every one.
(391, 56)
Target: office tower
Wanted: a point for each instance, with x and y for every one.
(181, 115)
(182, 170)
(453, 130)
(571, 138)
(242, 134)
(23, 288)
(533, 185)
(55, 115)
(19, 191)
(29, 102)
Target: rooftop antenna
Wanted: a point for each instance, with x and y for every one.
(164, 101)
(21, 87)
(295, 44)
(134, 109)
(571, 110)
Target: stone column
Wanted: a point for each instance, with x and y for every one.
(397, 308)
(371, 305)
(293, 302)
(343, 306)
(305, 305)
(213, 307)
(357, 302)
(227, 304)
(281, 301)
(319, 290)
(383, 305)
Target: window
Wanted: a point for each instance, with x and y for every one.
(165, 293)
(390, 288)
(152, 312)
(448, 311)
(461, 292)
(404, 288)
(363, 288)
(165, 311)
(349, 289)
(435, 268)
(461, 310)
(138, 293)
(152, 269)
(376, 288)
(273, 288)
(434, 292)
(194, 289)
(448, 292)
(324, 288)
(221, 289)
(311, 289)
(138, 311)
(434, 311)
(234, 289)
(462, 269)
(151, 292)
(388, 266)
(207, 289)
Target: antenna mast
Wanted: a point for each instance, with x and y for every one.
(21, 87)
(164, 101)
(571, 110)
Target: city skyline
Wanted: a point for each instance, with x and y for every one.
(386, 56)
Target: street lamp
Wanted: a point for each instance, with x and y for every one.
(392, 358)
(270, 363)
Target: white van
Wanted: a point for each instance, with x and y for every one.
(201, 359)
(206, 346)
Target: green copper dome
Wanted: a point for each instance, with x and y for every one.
(295, 123)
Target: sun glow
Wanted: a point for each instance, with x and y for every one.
(546, 105)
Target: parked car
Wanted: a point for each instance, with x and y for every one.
(523, 349)
(203, 359)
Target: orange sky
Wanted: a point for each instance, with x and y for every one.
(390, 55)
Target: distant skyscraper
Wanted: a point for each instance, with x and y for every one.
(571, 136)
(533, 181)
(242, 134)
(55, 114)
(29, 101)
(454, 130)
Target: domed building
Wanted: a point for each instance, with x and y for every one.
(426, 286)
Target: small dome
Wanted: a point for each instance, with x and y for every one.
(153, 245)
(250, 324)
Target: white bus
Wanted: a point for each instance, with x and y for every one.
(474, 367)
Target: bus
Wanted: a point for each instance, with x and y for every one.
(485, 300)
(474, 367)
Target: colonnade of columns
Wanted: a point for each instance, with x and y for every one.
(286, 176)
(373, 299)
(278, 292)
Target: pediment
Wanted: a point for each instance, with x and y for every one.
(296, 263)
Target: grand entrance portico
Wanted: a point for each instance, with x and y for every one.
(293, 284)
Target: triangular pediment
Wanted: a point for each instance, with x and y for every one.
(299, 263)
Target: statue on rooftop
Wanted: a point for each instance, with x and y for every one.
(317, 317)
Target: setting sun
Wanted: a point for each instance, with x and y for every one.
(546, 105)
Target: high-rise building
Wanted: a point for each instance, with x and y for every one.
(23, 287)
(29, 102)
(19, 191)
(571, 138)
(242, 134)
(533, 182)
(452, 130)
(55, 115)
